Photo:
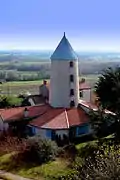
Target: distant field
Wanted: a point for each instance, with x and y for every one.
(91, 79)
(18, 87)
(33, 86)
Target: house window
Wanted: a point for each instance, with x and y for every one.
(71, 63)
(71, 78)
(72, 104)
(71, 92)
(48, 133)
(81, 94)
(82, 130)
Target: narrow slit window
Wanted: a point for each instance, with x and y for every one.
(72, 104)
(71, 64)
(71, 92)
(81, 94)
(71, 78)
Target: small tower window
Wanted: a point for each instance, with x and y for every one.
(81, 94)
(71, 92)
(71, 64)
(71, 78)
(72, 104)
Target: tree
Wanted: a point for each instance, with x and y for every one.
(101, 122)
(108, 89)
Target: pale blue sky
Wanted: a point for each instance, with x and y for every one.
(39, 24)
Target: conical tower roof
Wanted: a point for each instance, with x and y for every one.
(64, 51)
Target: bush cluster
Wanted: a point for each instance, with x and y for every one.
(33, 150)
(40, 150)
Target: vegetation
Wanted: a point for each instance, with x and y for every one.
(40, 150)
(17, 87)
(108, 89)
(102, 123)
(98, 160)
(39, 159)
(34, 158)
(42, 159)
(9, 101)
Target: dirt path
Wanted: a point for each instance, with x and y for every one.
(10, 176)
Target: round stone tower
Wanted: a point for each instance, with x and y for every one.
(64, 80)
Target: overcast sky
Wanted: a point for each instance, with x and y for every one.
(39, 24)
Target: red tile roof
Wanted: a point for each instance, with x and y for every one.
(60, 118)
(12, 114)
(45, 116)
(77, 116)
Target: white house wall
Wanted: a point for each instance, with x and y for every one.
(3, 125)
(61, 133)
(86, 95)
(44, 91)
(31, 102)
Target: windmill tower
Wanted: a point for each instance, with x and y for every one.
(64, 81)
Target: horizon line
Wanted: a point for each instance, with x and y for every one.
(76, 50)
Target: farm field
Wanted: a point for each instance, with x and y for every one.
(17, 87)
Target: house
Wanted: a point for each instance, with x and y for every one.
(85, 91)
(33, 100)
(62, 106)
(47, 121)
(10, 117)
(61, 122)
(63, 116)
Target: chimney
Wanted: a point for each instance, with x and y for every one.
(44, 82)
(82, 80)
(26, 113)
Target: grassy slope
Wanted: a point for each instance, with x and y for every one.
(58, 167)
(55, 168)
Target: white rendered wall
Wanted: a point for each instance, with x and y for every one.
(86, 95)
(60, 84)
(30, 100)
(44, 91)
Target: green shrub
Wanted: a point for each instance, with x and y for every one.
(9, 101)
(40, 150)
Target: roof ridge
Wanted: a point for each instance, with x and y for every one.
(66, 116)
